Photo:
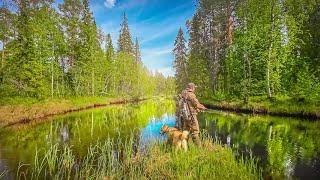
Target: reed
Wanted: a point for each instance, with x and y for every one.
(2, 174)
(118, 159)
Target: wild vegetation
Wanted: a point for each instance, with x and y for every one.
(114, 160)
(281, 145)
(57, 53)
(252, 49)
(109, 143)
(252, 54)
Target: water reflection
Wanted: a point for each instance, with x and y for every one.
(3, 167)
(84, 129)
(228, 140)
(286, 148)
(150, 133)
(64, 133)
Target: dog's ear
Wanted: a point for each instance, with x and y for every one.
(163, 129)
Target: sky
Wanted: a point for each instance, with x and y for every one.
(154, 22)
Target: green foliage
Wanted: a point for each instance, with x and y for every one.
(286, 141)
(100, 161)
(180, 60)
(59, 54)
(240, 49)
(125, 43)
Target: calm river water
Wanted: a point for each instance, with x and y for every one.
(285, 148)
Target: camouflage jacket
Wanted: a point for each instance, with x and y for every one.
(192, 100)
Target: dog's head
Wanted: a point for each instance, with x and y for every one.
(164, 129)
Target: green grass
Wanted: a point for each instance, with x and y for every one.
(212, 161)
(11, 101)
(15, 110)
(277, 104)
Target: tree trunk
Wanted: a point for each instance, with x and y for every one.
(229, 24)
(270, 51)
(268, 72)
(92, 83)
(3, 54)
(51, 79)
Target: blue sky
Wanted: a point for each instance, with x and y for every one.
(154, 22)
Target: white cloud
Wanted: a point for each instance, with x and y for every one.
(166, 71)
(151, 52)
(110, 3)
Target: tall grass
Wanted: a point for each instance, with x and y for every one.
(2, 174)
(117, 159)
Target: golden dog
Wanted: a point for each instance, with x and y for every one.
(177, 138)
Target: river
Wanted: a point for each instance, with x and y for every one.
(284, 148)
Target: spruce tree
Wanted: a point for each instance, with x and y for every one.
(71, 11)
(89, 69)
(180, 60)
(27, 69)
(197, 66)
(109, 48)
(109, 65)
(125, 42)
(137, 53)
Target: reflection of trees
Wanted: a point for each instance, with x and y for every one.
(64, 133)
(83, 129)
(279, 159)
(286, 141)
(3, 167)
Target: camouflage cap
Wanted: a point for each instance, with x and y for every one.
(191, 85)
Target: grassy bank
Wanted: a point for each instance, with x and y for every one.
(282, 106)
(19, 110)
(111, 160)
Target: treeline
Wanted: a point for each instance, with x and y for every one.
(57, 52)
(245, 48)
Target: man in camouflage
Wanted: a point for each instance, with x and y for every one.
(194, 106)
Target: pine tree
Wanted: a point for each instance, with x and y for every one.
(125, 42)
(7, 29)
(109, 48)
(71, 11)
(180, 60)
(89, 70)
(25, 69)
(197, 65)
(34, 50)
(137, 53)
(109, 65)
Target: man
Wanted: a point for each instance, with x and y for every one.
(191, 123)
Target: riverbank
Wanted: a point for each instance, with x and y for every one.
(110, 160)
(277, 106)
(24, 110)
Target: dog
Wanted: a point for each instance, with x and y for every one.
(178, 139)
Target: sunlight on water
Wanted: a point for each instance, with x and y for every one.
(150, 133)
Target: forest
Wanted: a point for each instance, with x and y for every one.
(57, 53)
(74, 104)
(252, 49)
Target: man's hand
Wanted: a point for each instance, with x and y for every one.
(201, 108)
